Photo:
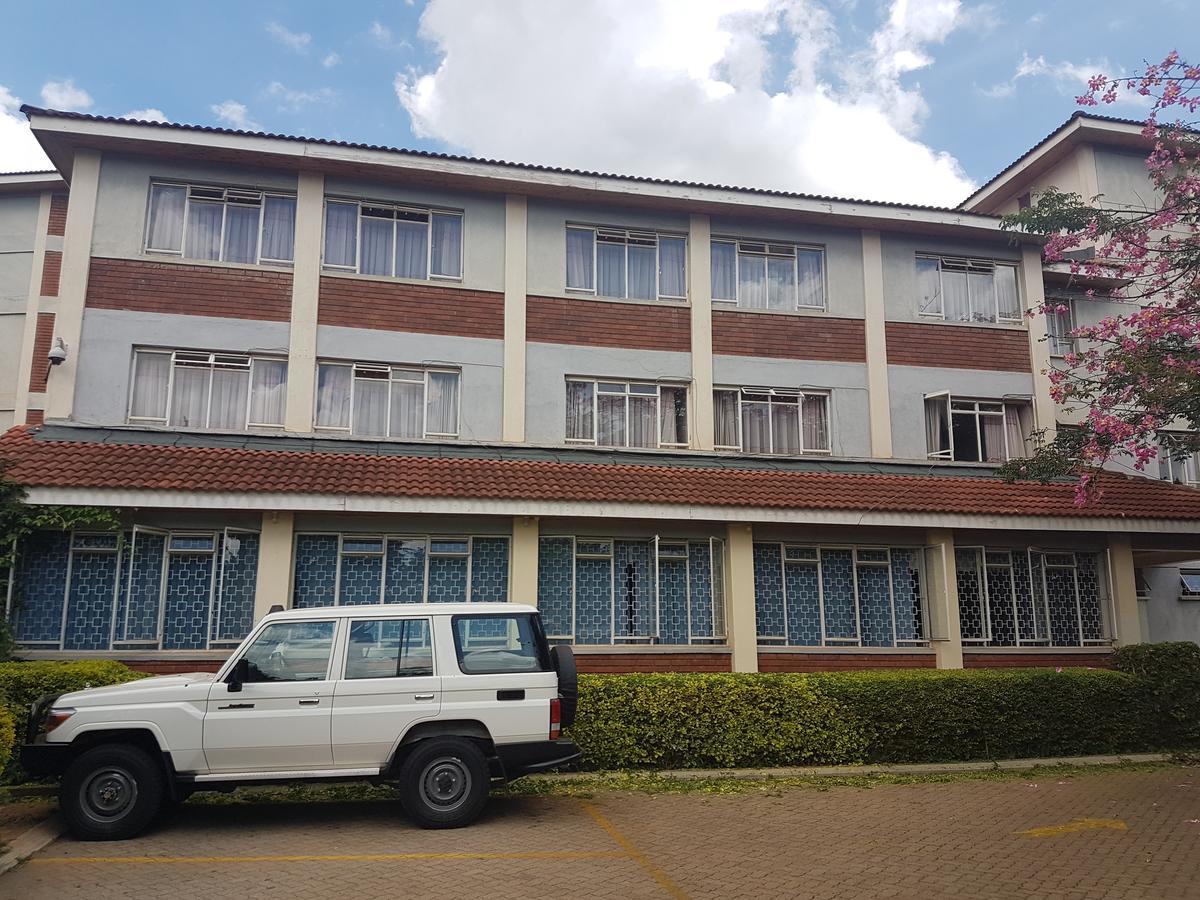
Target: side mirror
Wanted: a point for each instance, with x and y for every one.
(238, 676)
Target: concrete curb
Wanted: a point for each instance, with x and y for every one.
(31, 841)
(894, 769)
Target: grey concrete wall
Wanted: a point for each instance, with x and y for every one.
(628, 528)
(384, 524)
(18, 221)
(1167, 618)
(202, 520)
(480, 360)
(1123, 180)
(900, 267)
(846, 382)
(910, 384)
(548, 365)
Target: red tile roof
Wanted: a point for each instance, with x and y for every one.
(124, 464)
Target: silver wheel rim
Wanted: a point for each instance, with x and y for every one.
(108, 794)
(446, 783)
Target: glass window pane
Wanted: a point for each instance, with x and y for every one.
(370, 407)
(341, 233)
(673, 406)
(204, 229)
(411, 253)
(781, 284)
(752, 282)
(929, 287)
(279, 228)
(956, 304)
(991, 433)
(165, 230)
(389, 648)
(291, 651)
(447, 246)
(815, 412)
(377, 239)
(443, 403)
(498, 644)
(756, 428)
(580, 245)
(643, 280)
(241, 233)
(189, 397)
(724, 270)
(229, 393)
(983, 297)
(610, 421)
(1007, 301)
(579, 410)
(408, 408)
(151, 377)
(610, 261)
(643, 421)
(725, 418)
(811, 288)
(671, 267)
(785, 428)
(333, 396)
(937, 426)
(268, 392)
(966, 438)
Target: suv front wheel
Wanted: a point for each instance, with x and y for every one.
(444, 782)
(111, 792)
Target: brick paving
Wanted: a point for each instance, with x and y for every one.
(961, 840)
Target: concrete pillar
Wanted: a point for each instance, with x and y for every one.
(878, 390)
(941, 577)
(516, 230)
(1127, 624)
(32, 306)
(274, 584)
(1033, 296)
(73, 277)
(523, 580)
(741, 624)
(700, 296)
(306, 289)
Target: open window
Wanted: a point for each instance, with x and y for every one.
(1189, 584)
(970, 430)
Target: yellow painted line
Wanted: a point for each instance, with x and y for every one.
(1075, 825)
(663, 879)
(354, 857)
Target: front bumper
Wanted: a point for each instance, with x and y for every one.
(41, 760)
(540, 756)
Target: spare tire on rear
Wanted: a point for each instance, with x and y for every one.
(563, 659)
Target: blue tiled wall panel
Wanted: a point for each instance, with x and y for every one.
(489, 571)
(233, 614)
(673, 601)
(554, 599)
(593, 601)
(803, 604)
(404, 581)
(314, 580)
(90, 601)
(188, 600)
(139, 621)
(700, 578)
(633, 608)
(768, 590)
(447, 579)
(875, 606)
(837, 577)
(361, 580)
(906, 595)
(40, 587)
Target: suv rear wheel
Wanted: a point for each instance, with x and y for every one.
(111, 792)
(444, 782)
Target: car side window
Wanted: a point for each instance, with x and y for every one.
(495, 644)
(389, 648)
(291, 651)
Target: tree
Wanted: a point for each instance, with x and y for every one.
(1136, 375)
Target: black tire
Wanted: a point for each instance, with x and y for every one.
(111, 792)
(563, 658)
(444, 782)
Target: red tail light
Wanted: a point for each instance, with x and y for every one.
(555, 719)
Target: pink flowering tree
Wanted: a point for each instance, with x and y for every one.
(1135, 376)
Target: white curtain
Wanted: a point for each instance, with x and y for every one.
(412, 257)
(228, 406)
(672, 278)
(610, 265)
(241, 233)
(929, 287)
(610, 420)
(579, 410)
(408, 408)
(815, 415)
(781, 284)
(447, 246)
(642, 277)
(991, 433)
(370, 407)
(673, 412)
(643, 422)
(956, 302)
(983, 296)
(189, 397)
(333, 396)
(341, 233)
(151, 378)
(724, 270)
(268, 392)
(752, 282)
(1007, 300)
(811, 267)
(937, 426)
(442, 404)
(375, 257)
(279, 228)
(756, 427)
(165, 231)
(1018, 421)
(580, 247)
(204, 230)
(725, 416)
(785, 430)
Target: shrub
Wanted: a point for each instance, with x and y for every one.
(8, 736)
(1170, 674)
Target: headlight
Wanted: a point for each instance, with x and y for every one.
(54, 718)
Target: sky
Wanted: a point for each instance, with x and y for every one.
(914, 101)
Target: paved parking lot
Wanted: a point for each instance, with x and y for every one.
(1115, 834)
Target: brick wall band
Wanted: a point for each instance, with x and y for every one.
(143, 286)
(614, 663)
(841, 662)
(1100, 660)
(603, 323)
(788, 337)
(57, 223)
(399, 306)
(958, 347)
(51, 271)
(35, 416)
(43, 337)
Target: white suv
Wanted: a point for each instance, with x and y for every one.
(442, 699)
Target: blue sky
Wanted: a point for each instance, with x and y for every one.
(909, 99)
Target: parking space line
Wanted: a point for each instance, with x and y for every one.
(349, 857)
(663, 879)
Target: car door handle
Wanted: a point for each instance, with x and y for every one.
(310, 701)
(422, 696)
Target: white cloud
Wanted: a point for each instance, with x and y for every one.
(149, 114)
(687, 96)
(297, 41)
(1037, 18)
(330, 60)
(19, 151)
(293, 101)
(65, 95)
(1069, 78)
(235, 115)
(383, 37)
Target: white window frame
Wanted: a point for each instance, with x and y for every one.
(626, 236)
(227, 195)
(1041, 598)
(1009, 406)
(429, 211)
(801, 395)
(774, 250)
(1179, 469)
(391, 370)
(970, 265)
(658, 410)
(1185, 589)
(195, 359)
(1061, 343)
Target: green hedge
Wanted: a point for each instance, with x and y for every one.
(1170, 673)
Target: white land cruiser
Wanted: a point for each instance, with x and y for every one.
(442, 699)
